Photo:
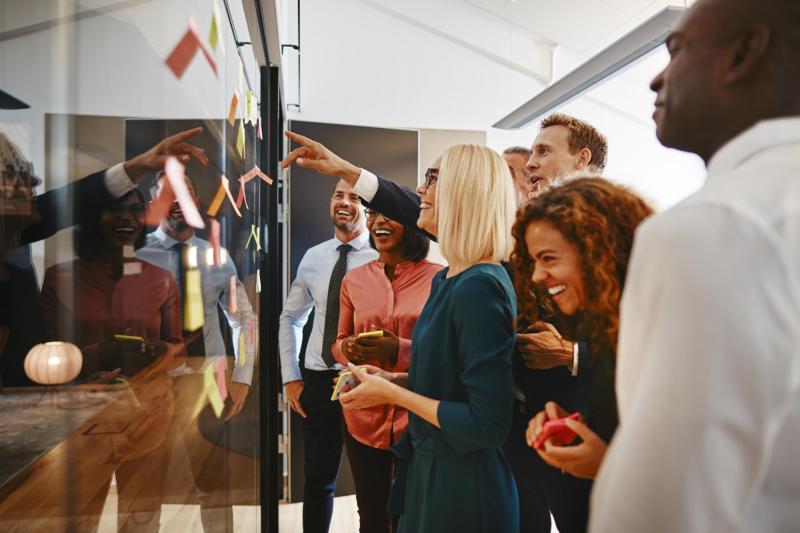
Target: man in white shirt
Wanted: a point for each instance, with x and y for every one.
(316, 286)
(164, 248)
(708, 372)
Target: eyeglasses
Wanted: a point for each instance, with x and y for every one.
(431, 177)
(371, 214)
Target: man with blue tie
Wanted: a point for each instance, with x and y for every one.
(308, 390)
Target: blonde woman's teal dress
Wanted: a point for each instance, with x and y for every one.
(455, 478)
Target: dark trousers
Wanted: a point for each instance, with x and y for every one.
(373, 469)
(322, 441)
(544, 490)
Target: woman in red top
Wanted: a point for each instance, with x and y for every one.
(386, 294)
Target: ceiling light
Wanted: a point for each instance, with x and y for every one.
(622, 53)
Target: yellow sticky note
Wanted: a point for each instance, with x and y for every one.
(240, 139)
(211, 390)
(213, 32)
(192, 301)
(242, 352)
(249, 107)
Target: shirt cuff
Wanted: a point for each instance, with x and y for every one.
(242, 374)
(366, 185)
(119, 183)
(574, 359)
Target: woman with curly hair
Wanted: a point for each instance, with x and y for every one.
(571, 255)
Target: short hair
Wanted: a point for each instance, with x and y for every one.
(88, 237)
(415, 244)
(600, 218)
(475, 203)
(581, 135)
(518, 150)
(153, 189)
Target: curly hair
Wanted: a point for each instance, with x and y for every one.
(600, 218)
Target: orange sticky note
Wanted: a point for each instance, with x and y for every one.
(227, 187)
(216, 203)
(232, 112)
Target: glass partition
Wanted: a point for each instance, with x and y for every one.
(132, 230)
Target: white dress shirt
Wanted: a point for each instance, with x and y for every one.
(310, 291)
(216, 284)
(708, 370)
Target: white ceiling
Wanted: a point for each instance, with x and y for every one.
(581, 25)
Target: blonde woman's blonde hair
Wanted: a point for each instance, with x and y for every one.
(475, 206)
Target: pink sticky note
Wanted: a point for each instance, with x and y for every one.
(213, 238)
(242, 195)
(174, 171)
(222, 383)
(226, 184)
(232, 295)
(260, 135)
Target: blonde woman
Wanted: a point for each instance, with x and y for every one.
(451, 474)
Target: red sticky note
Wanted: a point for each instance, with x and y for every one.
(222, 384)
(174, 171)
(183, 53)
(242, 195)
(213, 238)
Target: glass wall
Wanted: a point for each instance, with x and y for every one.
(132, 230)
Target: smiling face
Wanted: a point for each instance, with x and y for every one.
(428, 218)
(345, 208)
(552, 159)
(386, 234)
(121, 223)
(557, 268)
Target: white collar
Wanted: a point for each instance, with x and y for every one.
(765, 134)
(357, 243)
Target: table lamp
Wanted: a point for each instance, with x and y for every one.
(53, 363)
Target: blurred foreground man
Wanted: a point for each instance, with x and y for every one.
(708, 376)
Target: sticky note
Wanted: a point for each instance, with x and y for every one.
(222, 384)
(174, 171)
(192, 301)
(255, 235)
(216, 203)
(227, 187)
(213, 239)
(232, 305)
(214, 32)
(240, 198)
(243, 193)
(255, 172)
(250, 107)
(211, 390)
(258, 127)
(232, 112)
(258, 281)
(131, 268)
(242, 351)
(240, 139)
(158, 208)
(183, 53)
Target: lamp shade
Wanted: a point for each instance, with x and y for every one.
(53, 363)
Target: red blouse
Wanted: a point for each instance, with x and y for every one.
(368, 297)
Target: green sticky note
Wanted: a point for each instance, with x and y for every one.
(211, 390)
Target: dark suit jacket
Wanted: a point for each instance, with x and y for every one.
(401, 204)
(19, 295)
